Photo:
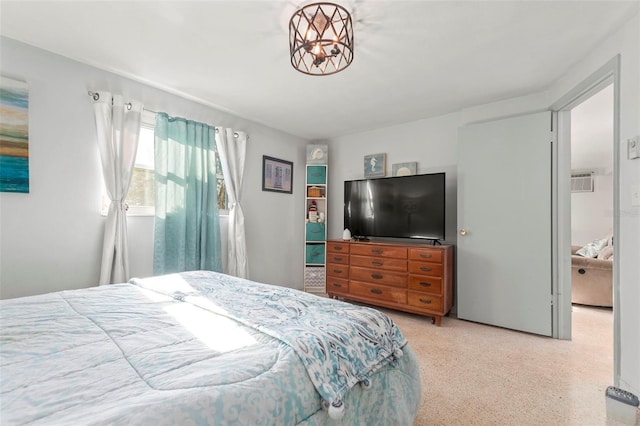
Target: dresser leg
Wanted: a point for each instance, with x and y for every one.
(437, 320)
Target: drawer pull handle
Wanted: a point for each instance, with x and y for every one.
(376, 251)
(425, 284)
(425, 255)
(337, 247)
(376, 276)
(338, 258)
(377, 263)
(337, 285)
(426, 301)
(337, 271)
(376, 291)
(425, 268)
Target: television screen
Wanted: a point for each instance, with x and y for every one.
(399, 207)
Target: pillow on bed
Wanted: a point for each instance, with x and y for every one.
(593, 248)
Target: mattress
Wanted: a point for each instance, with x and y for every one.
(201, 348)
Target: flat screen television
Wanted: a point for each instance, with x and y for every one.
(396, 207)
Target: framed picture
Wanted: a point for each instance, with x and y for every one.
(14, 136)
(404, 169)
(277, 175)
(375, 165)
(317, 154)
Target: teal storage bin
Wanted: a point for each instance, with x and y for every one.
(315, 232)
(315, 253)
(316, 175)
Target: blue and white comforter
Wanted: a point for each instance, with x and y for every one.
(201, 348)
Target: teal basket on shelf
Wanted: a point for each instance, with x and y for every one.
(315, 253)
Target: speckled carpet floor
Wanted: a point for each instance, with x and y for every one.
(474, 374)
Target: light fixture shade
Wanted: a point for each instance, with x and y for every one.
(321, 39)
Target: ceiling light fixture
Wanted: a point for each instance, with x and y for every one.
(321, 39)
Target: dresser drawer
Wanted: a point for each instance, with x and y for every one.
(427, 284)
(378, 276)
(379, 262)
(379, 250)
(338, 258)
(426, 268)
(337, 285)
(425, 300)
(390, 294)
(337, 247)
(425, 254)
(337, 270)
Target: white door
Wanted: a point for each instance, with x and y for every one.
(504, 220)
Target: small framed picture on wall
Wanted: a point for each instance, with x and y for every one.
(277, 175)
(375, 165)
(404, 169)
(317, 154)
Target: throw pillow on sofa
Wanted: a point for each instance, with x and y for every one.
(606, 253)
(593, 248)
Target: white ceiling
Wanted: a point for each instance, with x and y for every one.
(413, 59)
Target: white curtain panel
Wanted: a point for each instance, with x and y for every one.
(118, 129)
(232, 150)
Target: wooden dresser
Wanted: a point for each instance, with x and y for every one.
(413, 278)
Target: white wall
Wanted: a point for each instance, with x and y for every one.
(592, 150)
(431, 142)
(592, 212)
(51, 238)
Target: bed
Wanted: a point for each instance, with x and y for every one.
(201, 348)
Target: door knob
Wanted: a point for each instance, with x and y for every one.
(463, 232)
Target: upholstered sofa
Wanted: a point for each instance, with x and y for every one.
(591, 280)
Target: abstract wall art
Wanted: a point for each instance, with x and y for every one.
(14, 135)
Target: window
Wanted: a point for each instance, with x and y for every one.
(141, 197)
(222, 189)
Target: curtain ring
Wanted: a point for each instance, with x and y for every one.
(128, 106)
(94, 95)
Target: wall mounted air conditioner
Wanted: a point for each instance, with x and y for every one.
(581, 181)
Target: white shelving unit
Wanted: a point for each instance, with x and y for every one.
(315, 235)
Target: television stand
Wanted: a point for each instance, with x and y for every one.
(416, 278)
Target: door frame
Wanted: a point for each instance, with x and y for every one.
(608, 74)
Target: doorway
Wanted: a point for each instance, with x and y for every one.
(606, 78)
(592, 218)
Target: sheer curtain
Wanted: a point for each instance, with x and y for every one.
(187, 229)
(118, 129)
(232, 147)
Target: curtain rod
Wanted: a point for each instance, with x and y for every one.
(235, 134)
(96, 96)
